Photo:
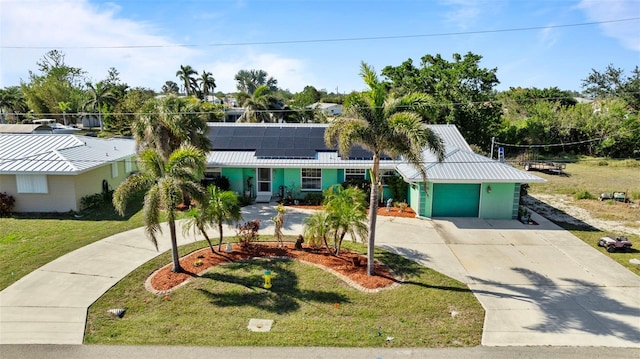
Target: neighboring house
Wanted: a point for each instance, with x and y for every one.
(330, 109)
(266, 160)
(51, 173)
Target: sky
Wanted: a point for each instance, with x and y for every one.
(321, 43)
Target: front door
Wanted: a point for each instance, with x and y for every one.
(264, 182)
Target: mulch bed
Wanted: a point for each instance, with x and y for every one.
(350, 266)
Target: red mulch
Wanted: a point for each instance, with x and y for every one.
(349, 264)
(382, 211)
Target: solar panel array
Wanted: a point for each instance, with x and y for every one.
(273, 141)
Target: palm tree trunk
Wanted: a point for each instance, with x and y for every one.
(204, 233)
(373, 214)
(174, 248)
(220, 231)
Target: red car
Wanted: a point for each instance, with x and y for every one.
(611, 244)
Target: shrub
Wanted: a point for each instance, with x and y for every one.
(583, 194)
(247, 232)
(313, 198)
(92, 201)
(245, 201)
(398, 188)
(222, 183)
(6, 203)
(602, 163)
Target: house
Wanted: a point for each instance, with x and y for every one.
(330, 109)
(52, 172)
(273, 160)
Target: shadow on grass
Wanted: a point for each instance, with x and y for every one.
(557, 216)
(282, 297)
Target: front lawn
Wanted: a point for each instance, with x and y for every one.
(309, 306)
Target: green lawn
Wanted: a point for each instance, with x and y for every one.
(214, 310)
(28, 242)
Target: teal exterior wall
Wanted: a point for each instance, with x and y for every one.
(331, 177)
(419, 200)
(236, 180)
(499, 203)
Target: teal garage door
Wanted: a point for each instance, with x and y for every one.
(455, 200)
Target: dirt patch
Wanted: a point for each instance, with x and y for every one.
(562, 209)
(349, 266)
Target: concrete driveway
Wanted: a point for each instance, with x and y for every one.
(538, 284)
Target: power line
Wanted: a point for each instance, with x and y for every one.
(346, 39)
(550, 145)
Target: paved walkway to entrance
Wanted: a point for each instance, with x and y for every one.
(539, 284)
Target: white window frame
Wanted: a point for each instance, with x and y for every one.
(311, 177)
(114, 169)
(128, 165)
(385, 174)
(356, 173)
(32, 184)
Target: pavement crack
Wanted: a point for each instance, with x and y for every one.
(82, 274)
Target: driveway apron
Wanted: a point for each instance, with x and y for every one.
(538, 284)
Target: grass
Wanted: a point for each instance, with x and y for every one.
(28, 242)
(310, 307)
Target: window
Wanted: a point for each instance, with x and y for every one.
(114, 170)
(385, 174)
(128, 166)
(351, 174)
(311, 179)
(32, 184)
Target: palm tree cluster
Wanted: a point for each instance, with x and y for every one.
(12, 102)
(200, 87)
(344, 213)
(383, 124)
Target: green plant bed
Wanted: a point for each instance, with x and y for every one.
(309, 306)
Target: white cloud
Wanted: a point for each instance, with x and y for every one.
(75, 26)
(627, 32)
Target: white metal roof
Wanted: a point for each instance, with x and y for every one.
(322, 160)
(59, 154)
(462, 165)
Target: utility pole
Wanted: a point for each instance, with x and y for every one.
(493, 140)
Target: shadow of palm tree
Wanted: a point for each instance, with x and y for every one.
(283, 297)
(396, 258)
(582, 306)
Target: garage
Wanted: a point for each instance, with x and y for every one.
(456, 200)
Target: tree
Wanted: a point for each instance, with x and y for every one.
(166, 123)
(11, 101)
(256, 106)
(249, 81)
(170, 87)
(347, 214)
(126, 110)
(613, 83)
(55, 82)
(383, 124)
(64, 107)
(100, 95)
(218, 207)
(185, 74)
(461, 91)
(207, 83)
(165, 182)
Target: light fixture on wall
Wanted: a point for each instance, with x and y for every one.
(488, 189)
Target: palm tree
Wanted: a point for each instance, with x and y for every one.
(317, 227)
(249, 80)
(218, 207)
(165, 183)
(256, 106)
(11, 101)
(166, 123)
(383, 124)
(64, 106)
(207, 83)
(99, 96)
(347, 213)
(185, 74)
(170, 87)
